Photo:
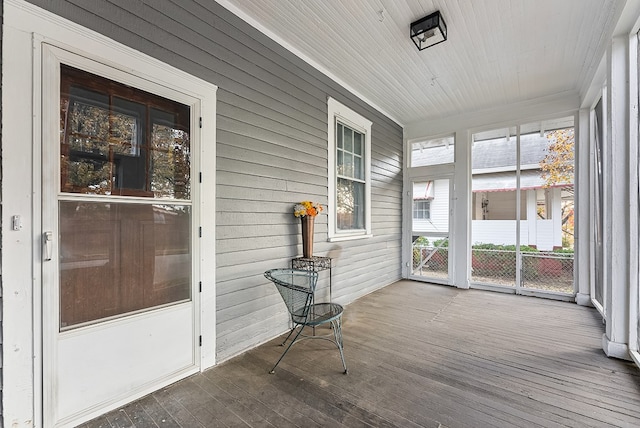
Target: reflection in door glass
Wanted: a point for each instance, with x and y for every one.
(115, 140)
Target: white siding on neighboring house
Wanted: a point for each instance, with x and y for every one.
(547, 235)
(499, 232)
(503, 232)
(439, 221)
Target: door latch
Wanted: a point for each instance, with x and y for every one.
(47, 242)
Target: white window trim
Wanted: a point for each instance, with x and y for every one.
(337, 110)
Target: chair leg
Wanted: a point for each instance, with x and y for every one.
(337, 333)
(288, 336)
(273, 370)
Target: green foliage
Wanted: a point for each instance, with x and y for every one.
(557, 166)
(564, 251)
(441, 243)
(421, 241)
(437, 254)
(499, 261)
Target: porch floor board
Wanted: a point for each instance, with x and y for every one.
(419, 355)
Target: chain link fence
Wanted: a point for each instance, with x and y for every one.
(548, 271)
(493, 266)
(431, 261)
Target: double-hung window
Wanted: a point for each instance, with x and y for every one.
(349, 173)
(422, 210)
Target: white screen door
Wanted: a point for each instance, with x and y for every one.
(430, 219)
(119, 262)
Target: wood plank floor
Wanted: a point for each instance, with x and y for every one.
(419, 355)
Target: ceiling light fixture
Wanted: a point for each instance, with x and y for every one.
(428, 31)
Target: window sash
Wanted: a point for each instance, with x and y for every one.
(350, 185)
(349, 152)
(422, 210)
(350, 205)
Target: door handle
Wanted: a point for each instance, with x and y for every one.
(47, 243)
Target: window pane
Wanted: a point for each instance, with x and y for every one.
(348, 140)
(548, 205)
(170, 163)
(125, 129)
(107, 133)
(339, 136)
(350, 205)
(494, 202)
(432, 152)
(357, 167)
(348, 165)
(357, 143)
(422, 210)
(88, 132)
(117, 258)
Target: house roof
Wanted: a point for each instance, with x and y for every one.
(502, 153)
(506, 181)
(489, 154)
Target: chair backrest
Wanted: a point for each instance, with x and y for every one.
(296, 288)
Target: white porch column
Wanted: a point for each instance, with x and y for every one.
(462, 210)
(555, 196)
(616, 237)
(532, 218)
(582, 190)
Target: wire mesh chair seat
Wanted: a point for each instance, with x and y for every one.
(297, 289)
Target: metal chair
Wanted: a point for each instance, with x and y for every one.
(297, 289)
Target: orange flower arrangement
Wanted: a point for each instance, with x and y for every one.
(307, 208)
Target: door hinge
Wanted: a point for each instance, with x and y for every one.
(200, 340)
(200, 287)
(200, 177)
(200, 122)
(200, 232)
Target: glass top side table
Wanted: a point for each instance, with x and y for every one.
(316, 264)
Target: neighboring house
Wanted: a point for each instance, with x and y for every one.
(152, 153)
(493, 204)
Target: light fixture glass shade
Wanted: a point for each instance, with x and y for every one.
(428, 31)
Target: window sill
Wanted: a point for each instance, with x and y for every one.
(349, 237)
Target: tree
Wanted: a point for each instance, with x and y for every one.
(557, 165)
(558, 169)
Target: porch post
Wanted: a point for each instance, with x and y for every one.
(462, 210)
(583, 212)
(532, 217)
(616, 199)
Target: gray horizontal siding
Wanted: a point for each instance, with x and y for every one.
(271, 153)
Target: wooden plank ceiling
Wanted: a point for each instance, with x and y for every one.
(499, 52)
